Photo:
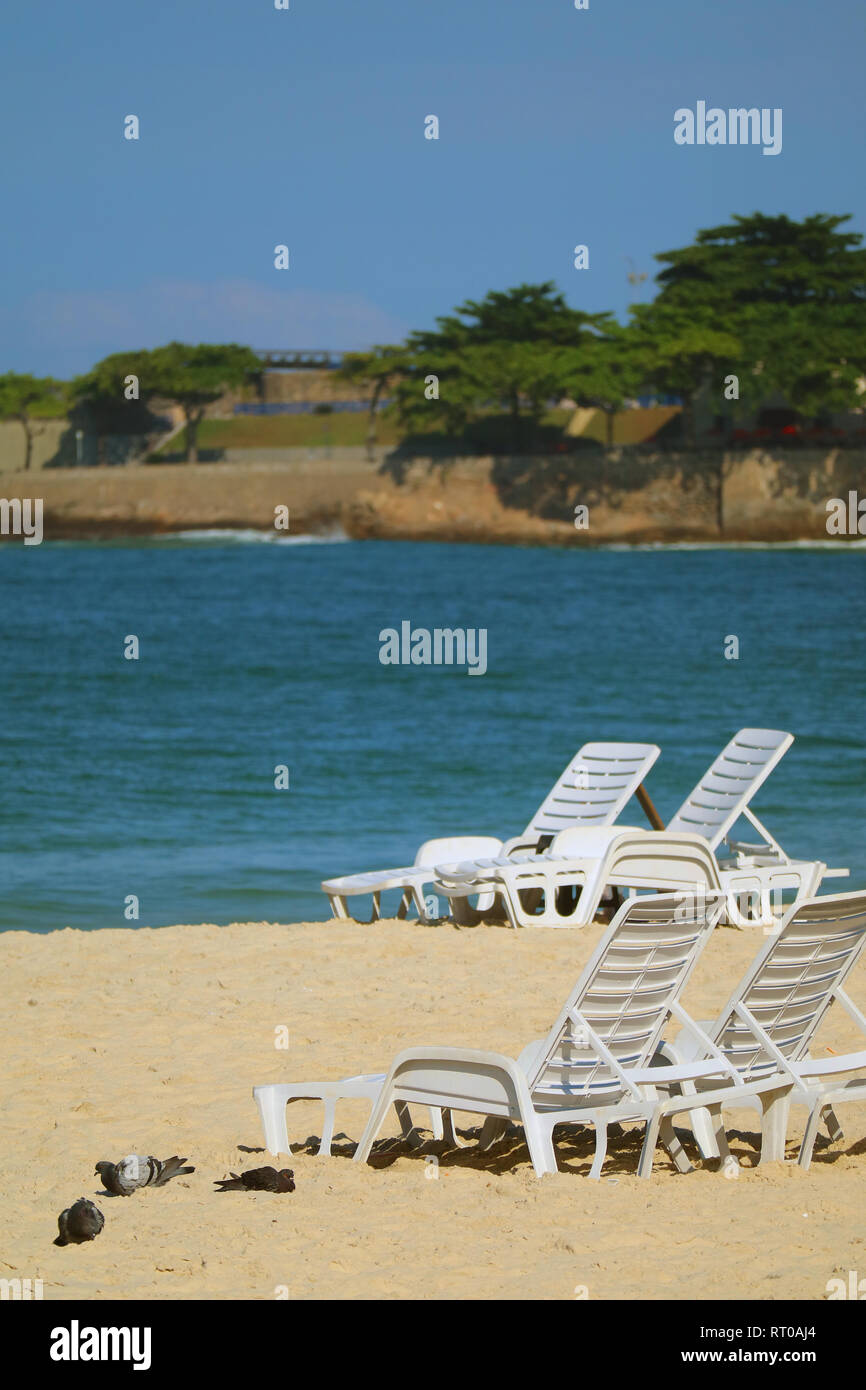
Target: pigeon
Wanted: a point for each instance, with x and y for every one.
(82, 1221)
(136, 1171)
(259, 1180)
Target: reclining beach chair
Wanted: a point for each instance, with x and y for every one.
(592, 791)
(565, 885)
(767, 1027)
(592, 1067)
(611, 1023)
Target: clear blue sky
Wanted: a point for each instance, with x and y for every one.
(305, 127)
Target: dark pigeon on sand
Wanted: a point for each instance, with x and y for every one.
(82, 1221)
(136, 1171)
(259, 1180)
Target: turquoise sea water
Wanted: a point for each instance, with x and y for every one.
(156, 777)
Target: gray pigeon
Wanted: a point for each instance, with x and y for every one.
(258, 1180)
(82, 1221)
(136, 1171)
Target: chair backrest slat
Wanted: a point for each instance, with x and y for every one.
(728, 786)
(625, 993)
(790, 985)
(595, 787)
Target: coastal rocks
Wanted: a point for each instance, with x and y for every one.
(627, 496)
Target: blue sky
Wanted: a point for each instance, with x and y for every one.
(306, 127)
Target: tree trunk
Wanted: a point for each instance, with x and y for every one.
(193, 420)
(690, 433)
(28, 442)
(516, 422)
(371, 418)
(720, 496)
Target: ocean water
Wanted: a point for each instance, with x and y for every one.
(155, 777)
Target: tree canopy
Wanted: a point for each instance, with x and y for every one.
(777, 302)
(190, 376)
(27, 398)
(766, 260)
(511, 352)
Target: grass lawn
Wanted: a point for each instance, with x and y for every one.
(342, 429)
(284, 432)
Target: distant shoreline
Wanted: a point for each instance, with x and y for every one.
(626, 498)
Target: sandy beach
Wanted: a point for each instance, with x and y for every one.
(151, 1040)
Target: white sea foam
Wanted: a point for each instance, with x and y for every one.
(248, 536)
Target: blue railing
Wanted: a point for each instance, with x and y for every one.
(299, 357)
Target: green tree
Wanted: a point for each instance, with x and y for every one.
(191, 377)
(684, 353)
(375, 372)
(512, 351)
(105, 385)
(791, 293)
(525, 314)
(816, 357)
(194, 377)
(610, 367)
(763, 259)
(28, 398)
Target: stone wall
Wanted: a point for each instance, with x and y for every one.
(48, 434)
(629, 495)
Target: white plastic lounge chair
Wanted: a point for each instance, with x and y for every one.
(766, 1029)
(592, 791)
(565, 885)
(611, 1023)
(412, 879)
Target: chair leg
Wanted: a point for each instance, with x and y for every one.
(511, 902)
(645, 1164)
(405, 903)
(720, 1137)
(588, 903)
(736, 909)
(539, 1141)
(327, 1128)
(670, 1139)
(600, 1150)
(804, 1157)
(378, 1112)
(774, 1106)
(338, 905)
(834, 1129)
(442, 1125)
(699, 1119)
(703, 1129)
(493, 1129)
(447, 1130)
(407, 1128)
(463, 913)
(416, 895)
(766, 917)
(271, 1103)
